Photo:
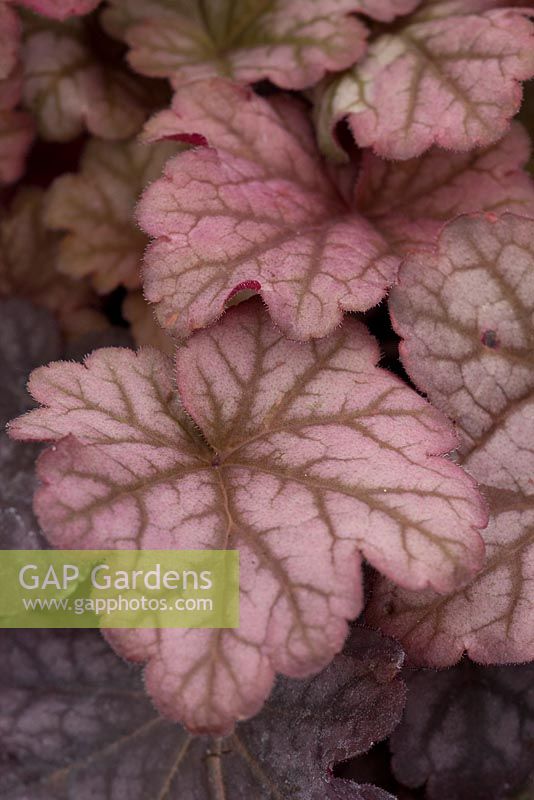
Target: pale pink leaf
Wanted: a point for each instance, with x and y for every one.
(260, 211)
(448, 75)
(309, 457)
(68, 90)
(95, 209)
(60, 9)
(291, 42)
(466, 316)
(410, 201)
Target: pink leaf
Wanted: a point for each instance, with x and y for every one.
(409, 201)
(290, 42)
(309, 457)
(260, 210)
(16, 129)
(16, 137)
(9, 38)
(466, 317)
(60, 9)
(385, 10)
(447, 75)
(11, 89)
(68, 90)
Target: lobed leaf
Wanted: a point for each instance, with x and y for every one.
(447, 75)
(293, 43)
(68, 90)
(467, 732)
(260, 211)
(29, 337)
(307, 456)
(25, 243)
(95, 207)
(465, 314)
(100, 737)
(410, 201)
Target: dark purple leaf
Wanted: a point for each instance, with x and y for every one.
(467, 732)
(28, 337)
(75, 724)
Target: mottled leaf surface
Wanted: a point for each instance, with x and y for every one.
(29, 266)
(95, 208)
(467, 732)
(465, 314)
(260, 211)
(410, 201)
(68, 90)
(28, 338)
(290, 42)
(447, 75)
(309, 456)
(76, 724)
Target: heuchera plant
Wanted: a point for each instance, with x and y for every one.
(309, 227)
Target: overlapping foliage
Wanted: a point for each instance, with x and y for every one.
(160, 162)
